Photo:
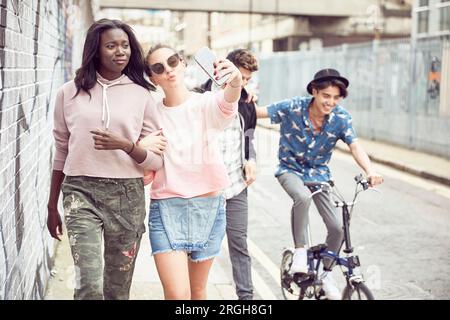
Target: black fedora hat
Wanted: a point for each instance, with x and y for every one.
(324, 75)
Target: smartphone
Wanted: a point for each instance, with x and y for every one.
(205, 59)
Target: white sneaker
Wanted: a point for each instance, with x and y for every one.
(330, 288)
(299, 261)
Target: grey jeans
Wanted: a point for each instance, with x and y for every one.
(237, 226)
(297, 190)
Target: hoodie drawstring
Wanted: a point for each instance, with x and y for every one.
(105, 106)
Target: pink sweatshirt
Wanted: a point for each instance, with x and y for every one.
(193, 164)
(120, 105)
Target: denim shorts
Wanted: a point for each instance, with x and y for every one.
(195, 225)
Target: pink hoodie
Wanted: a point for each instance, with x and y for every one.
(120, 105)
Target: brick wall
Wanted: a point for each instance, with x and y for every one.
(38, 40)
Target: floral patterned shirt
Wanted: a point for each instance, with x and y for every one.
(302, 151)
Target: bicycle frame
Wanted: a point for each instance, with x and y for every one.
(349, 262)
(317, 254)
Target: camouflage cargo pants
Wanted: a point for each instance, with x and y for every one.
(97, 208)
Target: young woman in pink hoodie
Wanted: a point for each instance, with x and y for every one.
(98, 118)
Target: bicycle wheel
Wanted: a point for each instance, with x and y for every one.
(358, 291)
(289, 289)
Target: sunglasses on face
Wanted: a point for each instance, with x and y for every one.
(172, 62)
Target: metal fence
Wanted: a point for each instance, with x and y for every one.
(399, 90)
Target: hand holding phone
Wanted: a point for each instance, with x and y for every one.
(205, 58)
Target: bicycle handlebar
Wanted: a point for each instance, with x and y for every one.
(328, 185)
(363, 181)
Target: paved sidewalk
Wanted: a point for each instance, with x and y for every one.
(415, 162)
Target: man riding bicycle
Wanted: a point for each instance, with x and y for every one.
(309, 130)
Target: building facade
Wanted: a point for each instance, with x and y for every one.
(430, 18)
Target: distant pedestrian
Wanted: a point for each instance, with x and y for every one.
(237, 143)
(101, 174)
(309, 130)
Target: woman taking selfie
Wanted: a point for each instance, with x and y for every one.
(187, 214)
